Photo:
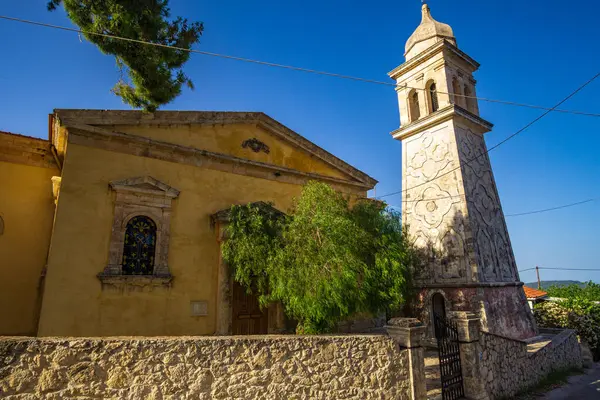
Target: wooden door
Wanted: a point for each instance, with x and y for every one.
(248, 318)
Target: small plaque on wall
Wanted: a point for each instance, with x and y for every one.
(199, 308)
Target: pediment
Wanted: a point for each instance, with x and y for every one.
(128, 124)
(146, 185)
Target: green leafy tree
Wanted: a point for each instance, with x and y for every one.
(155, 73)
(590, 291)
(325, 261)
(578, 309)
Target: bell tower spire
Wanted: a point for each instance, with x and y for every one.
(449, 200)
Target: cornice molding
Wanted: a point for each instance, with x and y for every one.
(26, 150)
(445, 114)
(449, 285)
(438, 47)
(145, 185)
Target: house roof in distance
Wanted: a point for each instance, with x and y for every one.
(532, 294)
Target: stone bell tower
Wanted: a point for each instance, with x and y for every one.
(450, 202)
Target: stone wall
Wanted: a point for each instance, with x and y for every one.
(284, 367)
(510, 366)
(363, 323)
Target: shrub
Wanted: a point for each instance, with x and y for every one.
(581, 315)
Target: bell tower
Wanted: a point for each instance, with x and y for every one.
(449, 201)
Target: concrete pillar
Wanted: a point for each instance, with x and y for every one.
(468, 325)
(409, 333)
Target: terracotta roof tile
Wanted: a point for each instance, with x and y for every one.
(531, 293)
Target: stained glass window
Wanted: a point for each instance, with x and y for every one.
(140, 243)
(434, 98)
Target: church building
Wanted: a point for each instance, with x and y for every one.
(113, 225)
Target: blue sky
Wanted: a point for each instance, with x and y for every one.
(533, 52)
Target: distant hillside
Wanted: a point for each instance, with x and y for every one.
(547, 284)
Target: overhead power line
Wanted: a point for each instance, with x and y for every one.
(528, 269)
(562, 269)
(573, 269)
(548, 110)
(523, 213)
(553, 208)
(510, 103)
(284, 66)
(501, 142)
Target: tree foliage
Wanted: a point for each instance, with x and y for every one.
(590, 291)
(585, 320)
(325, 261)
(578, 309)
(155, 73)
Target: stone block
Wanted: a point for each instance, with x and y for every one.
(468, 325)
(407, 332)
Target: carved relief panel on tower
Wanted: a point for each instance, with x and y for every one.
(491, 244)
(432, 206)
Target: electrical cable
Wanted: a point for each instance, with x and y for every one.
(271, 64)
(501, 142)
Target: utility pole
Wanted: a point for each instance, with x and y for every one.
(537, 271)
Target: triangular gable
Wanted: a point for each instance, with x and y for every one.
(98, 118)
(144, 184)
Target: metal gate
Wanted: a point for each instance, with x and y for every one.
(449, 354)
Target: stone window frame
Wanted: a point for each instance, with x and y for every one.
(414, 111)
(433, 99)
(145, 196)
(468, 98)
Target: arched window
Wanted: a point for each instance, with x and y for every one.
(468, 100)
(140, 244)
(413, 101)
(433, 97)
(456, 91)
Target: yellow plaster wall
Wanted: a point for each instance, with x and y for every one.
(228, 139)
(74, 302)
(27, 209)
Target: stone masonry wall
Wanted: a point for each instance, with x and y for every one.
(268, 367)
(510, 366)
